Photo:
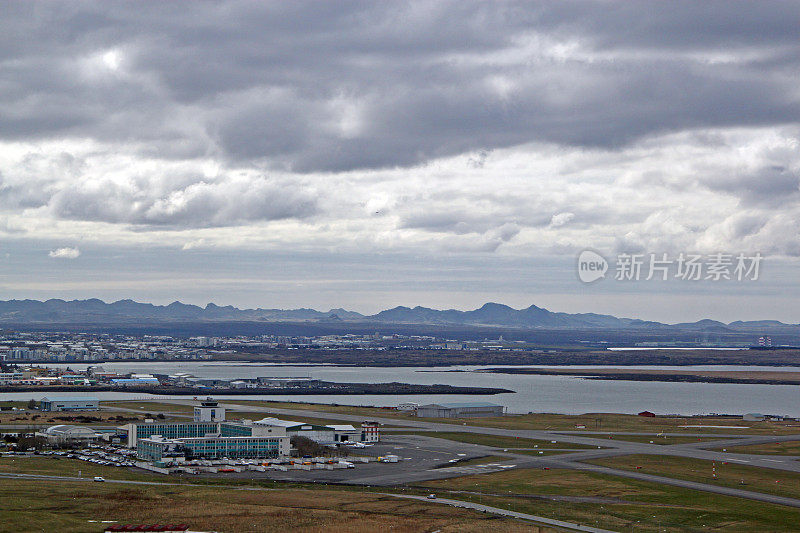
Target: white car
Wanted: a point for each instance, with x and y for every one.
(99, 478)
(431, 496)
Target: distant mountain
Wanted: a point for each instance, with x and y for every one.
(94, 311)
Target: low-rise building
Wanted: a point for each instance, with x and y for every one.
(135, 382)
(70, 403)
(370, 432)
(315, 432)
(207, 439)
(459, 410)
(156, 448)
(345, 433)
(66, 434)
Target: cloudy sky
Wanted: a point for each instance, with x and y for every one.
(367, 155)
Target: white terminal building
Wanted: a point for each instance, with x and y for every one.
(211, 436)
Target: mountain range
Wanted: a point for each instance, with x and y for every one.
(94, 311)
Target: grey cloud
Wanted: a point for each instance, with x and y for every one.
(199, 204)
(770, 186)
(259, 78)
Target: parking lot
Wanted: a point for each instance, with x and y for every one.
(420, 458)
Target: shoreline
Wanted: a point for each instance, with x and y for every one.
(665, 376)
(336, 389)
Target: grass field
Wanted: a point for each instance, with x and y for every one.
(591, 421)
(77, 507)
(755, 479)
(654, 439)
(39, 418)
(773, 448)
(187, 410)
(625, 505)
(498, 441)
(153, 406)
(61, 466)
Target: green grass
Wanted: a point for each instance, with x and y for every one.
(767, 480)
(628, 505)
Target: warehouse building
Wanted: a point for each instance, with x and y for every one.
(63, 434)
(459, 410)
(317, 433)
(330, 434)
(70, 403)
(345, 433)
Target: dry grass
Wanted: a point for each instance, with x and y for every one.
(768, 480)
(37, 506)
(772, 448)
(626, 505)
(559, 422)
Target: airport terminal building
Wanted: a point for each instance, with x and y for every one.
(156, 448)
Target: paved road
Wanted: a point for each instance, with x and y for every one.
(505, 512)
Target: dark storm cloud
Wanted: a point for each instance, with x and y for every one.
(314, 86)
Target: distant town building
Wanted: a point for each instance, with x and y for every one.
(407, 406)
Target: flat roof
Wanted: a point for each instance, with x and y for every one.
(461, 404)
(71, 399)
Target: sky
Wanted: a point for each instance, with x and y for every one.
(372, 154)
